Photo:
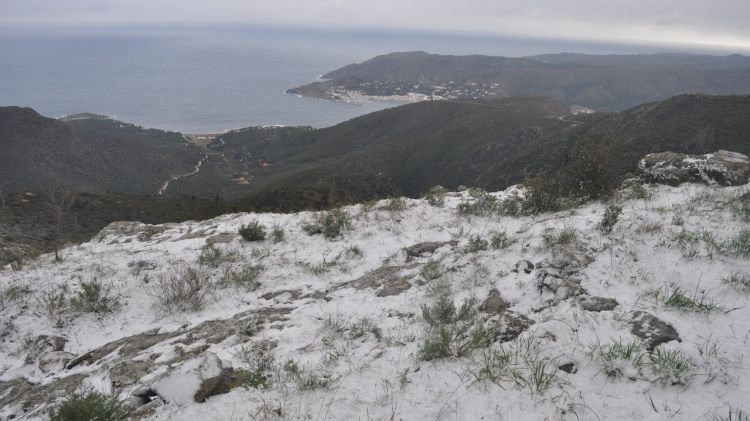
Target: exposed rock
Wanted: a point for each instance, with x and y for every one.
(523, 265)
(223, 383)
(555, 288)
(652, 330)
(723, 168)
(191, 381)
(128, 373)
(143, 232)
(421, 249)
(494, 304)
(568, 367)
(590, 303)
(147, 410)
(221, 238)
(19, 397)
(53, 361)
(507, 326)
(386, 281)
(296, 294)
(568, 258)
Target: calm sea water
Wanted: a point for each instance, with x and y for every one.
(212, 78)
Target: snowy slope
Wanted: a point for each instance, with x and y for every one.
(359, 343)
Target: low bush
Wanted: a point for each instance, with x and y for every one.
(253, 231)
(91, 406)
(95, 297)
(436, 196)
(331, 224)
(182, 289)
(451, 331)
(500, 240)
(611, 216)
(740, 245)
(476, 243)
(278, 234)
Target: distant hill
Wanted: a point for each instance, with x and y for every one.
(398, 151)
(85, 153)
(602, 82)
(408, 149)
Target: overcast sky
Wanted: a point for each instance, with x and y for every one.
(708, 22)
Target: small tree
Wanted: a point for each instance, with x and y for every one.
(57, 204)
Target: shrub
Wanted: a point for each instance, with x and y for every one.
(451, 331)
(247, 277)
(253, 231)
(740, 245)
(588, 170)
(212, 256)
(543, 194)
(90, 406)
(32, 346)
(312, 228)
(395, 204)
(500, 240)
(483, 204)
(331, 224)
(138, 266)
(436, 196)
(183, 289)
(277, 234)
(564, 236)
(432, 270)
(476, 243)
(54, 303)
(95, 297)
(611, 215)
(306, 379)
(259, 362)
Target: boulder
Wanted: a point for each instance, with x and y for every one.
(723, 168)
(652, 330)
(590, 303)
(555, 288)
(507, 326)
(191, 381)
(53, 361)
(422, 249)
(494, 304)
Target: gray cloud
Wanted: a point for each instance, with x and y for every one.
(717, 22)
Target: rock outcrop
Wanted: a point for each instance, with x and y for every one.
(723, 168)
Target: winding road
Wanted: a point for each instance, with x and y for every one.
(164, 187)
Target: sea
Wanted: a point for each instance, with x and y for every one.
(214, 78)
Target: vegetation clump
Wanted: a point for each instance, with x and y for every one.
(91, 406)
(253, 231)
(95, 297)
(611, 216)
(331, 224)
(451, 331)
(183, 289)
(500, 240)
(436, 196)
(476, 243)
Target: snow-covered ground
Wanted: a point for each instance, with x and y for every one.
(357, 347)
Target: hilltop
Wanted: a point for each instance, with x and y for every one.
(579, 314)
(601, 82)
